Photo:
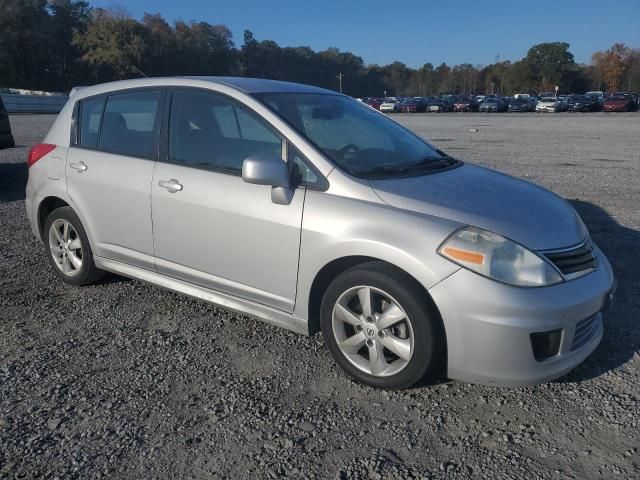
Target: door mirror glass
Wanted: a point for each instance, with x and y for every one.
(265, 170)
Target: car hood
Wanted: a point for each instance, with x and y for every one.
(473, 195)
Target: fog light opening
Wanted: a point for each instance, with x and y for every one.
(546, 344)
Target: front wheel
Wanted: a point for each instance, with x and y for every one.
(381, 328)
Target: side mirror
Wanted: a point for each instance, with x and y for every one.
(265, 170)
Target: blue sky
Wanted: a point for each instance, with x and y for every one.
(413, 31)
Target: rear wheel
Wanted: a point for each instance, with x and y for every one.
(69, 251)
(380, 327)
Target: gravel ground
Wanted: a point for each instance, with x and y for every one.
(125, 380)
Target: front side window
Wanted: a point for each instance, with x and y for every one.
(213, 131)
(355, 137)
(90, 116)
(130, 124)
(302, 174)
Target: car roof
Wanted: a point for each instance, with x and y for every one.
(263, 85)
(244, 84)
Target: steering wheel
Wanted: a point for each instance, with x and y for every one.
(348, 148)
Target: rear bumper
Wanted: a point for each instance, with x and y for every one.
(489, 325)
(29, 203)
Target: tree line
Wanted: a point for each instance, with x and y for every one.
(57, 44)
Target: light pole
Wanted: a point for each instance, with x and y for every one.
(339, 77)
(499, 76)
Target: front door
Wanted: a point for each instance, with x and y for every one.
(210, 227)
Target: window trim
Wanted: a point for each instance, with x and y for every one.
(322, 184)
(76, 126)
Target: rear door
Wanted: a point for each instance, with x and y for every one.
(109, 170)
(211, 228)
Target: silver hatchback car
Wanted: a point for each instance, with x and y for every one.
(312, 211)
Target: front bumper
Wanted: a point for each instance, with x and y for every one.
(489, 325)
(579, 108)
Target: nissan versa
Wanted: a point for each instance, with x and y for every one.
(313, 211)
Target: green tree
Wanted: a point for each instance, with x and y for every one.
(549, 64)
(25, 44)
(67, 19)
(114, 45)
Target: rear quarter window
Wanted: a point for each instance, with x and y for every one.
(90, 117)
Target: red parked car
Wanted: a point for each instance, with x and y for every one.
(463, 104)
(618, 103)
(374, 102)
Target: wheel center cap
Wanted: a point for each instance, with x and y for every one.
(370, 331)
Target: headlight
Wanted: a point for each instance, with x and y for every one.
(498, 258)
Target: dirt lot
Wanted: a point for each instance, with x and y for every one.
(124, 380)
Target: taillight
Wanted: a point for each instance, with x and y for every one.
(38, 151)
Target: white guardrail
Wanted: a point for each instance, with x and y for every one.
(16, 103)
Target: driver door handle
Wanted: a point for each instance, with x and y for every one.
(172, 185)
(78, 166)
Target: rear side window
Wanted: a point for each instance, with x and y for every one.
(90, 115)
(130, 124)
(213, 131)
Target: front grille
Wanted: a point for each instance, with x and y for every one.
(575, 260)
(586, 330)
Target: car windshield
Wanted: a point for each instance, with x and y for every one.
(548, 99)
(356, 138)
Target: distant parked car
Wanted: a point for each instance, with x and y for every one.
(438, 105)
(581, 103)
(374, 102)
(598, 97)
(551, 104)
(390, 105)
(492, 104)
(619, 103)
(6, 138)
(520, 104)
(463, 104)
(413, 105)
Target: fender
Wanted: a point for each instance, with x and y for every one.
(58, 190)
(331, 230)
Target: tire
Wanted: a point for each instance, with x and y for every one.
(63, 225)
(416, 333)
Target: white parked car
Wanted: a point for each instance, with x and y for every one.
(390, 105)
(551, 104)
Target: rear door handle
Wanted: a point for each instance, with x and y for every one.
(78, 166)
(172, 185)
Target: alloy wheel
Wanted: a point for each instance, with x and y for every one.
(372, 331)
(66, 247)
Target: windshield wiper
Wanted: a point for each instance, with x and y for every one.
(431, 163)
(425, 164)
